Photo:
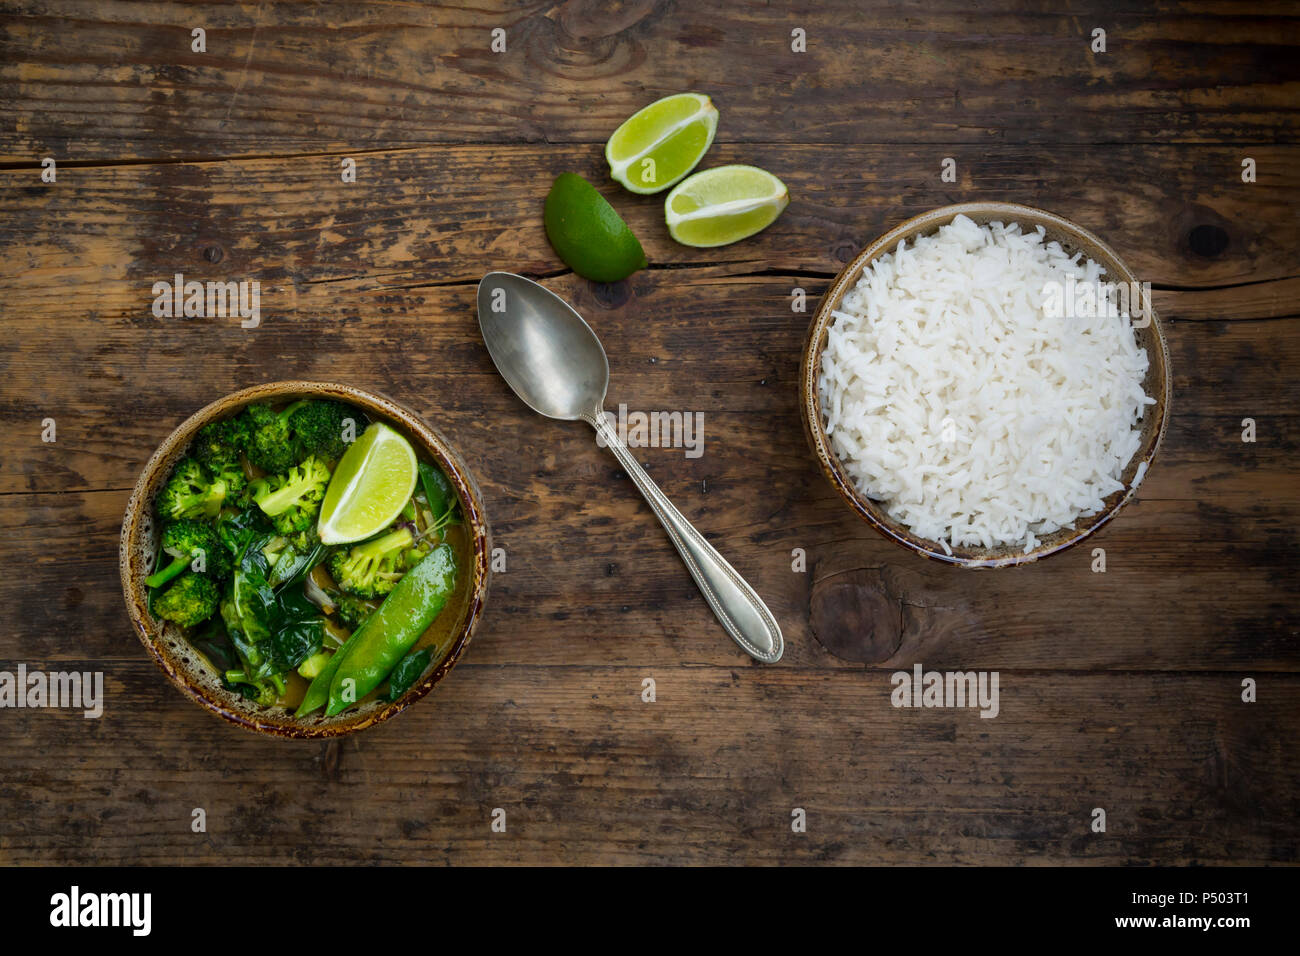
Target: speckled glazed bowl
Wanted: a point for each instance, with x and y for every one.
(190, 672)
(1073, 239)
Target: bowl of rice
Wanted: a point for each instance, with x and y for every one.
(986, 384)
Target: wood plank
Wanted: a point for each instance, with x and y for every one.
(1190, 585)
(671, 338)
(1258, 300)
(447, 214)
(88, 81)
(587, 773)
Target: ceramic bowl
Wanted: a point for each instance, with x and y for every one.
(189, 671)
(1073, 239)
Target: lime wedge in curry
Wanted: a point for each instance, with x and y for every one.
(372, 483)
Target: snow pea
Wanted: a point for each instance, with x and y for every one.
(383, 639)
(318, 691)
(437, 489)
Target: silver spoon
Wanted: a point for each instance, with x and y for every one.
(554, 362)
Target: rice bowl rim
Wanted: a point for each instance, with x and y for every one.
(1074, 238)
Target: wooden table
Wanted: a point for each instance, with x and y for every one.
(1119, 690)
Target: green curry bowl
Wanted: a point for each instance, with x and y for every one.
(283, 633)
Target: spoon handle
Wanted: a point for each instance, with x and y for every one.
(736, 604)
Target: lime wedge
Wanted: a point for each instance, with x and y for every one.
(724, 205)
(658, 145)
(591, 238)
(372, 483)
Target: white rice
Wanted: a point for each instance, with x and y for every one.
(975, 415)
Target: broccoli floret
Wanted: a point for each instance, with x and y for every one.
(259, 690)
(190, 600)
(230, 472)
(292, 500)
(270, 440)
(414, 555)
(352, 610)
(184, 540)
(217, 447)
(219, 442)
(318, 428)
(373, 567)
(191, 492)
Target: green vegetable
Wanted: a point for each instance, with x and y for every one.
(352, 610)
(407, 672)
(272, 632)
(218, 445)
(376, 647)
(185, 540)
(262, 690)
(221, 441)
(214, 644)
(151, 593)
(295, 564)
(313, 665)
(191, 492)
(193, 598)
(318, 692)
(437, 489)
(298, 630)
(318, 428)
(231, 474)
(292, 500)
(270, 440)
(373, 567)
(250, 604)
(278, 440)
(236, 531)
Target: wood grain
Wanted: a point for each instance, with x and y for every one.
(1119, 690)
(88, 81)
(445, 214)
(587, 772)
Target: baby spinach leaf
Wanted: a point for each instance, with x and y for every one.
(302, 566)
(407, 672)
(214, 644)
(298, 630)
(238, 530)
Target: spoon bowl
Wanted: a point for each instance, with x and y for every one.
(545, 351)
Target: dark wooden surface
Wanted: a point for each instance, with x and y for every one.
(1118, 690)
